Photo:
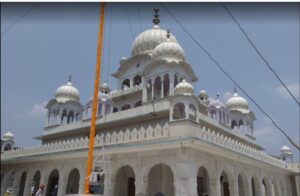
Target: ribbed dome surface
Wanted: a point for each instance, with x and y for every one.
(238, 103)
(184, 88)
(8, 136)
(168, 49)
(67, 92)
(146, 41)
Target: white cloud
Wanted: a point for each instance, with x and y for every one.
(38, 110)
(293, 87)
(227, 95)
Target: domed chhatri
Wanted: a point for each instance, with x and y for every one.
(184, 88)
(67, 92)
(216, 103)
(149, 39)
(238, 103)
(8, 136)
(168, 49)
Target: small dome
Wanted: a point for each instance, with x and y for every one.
(284, 148)
(8, 136)
(238, 103)
(103, 94)
(168, 49)
(67, 92)
(104, 88)
(184, 88)
(203, 93)
(149, 39)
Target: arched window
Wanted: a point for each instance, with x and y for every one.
(52, 185)
(137, 80)
(107, 108)
(178, 111)
(192, 112)
(63, 117)
(115, 109)
(241, 122)
(22, 184)
(70, 117)
(99, 109)
(137, 104)
(36, 181)
(213, 114)
(202, 182)
(149, 89)
(157, 88)
(126, 107)
(166, 85)
(233, 124)
(124, 176)
(126, 84)
(7, 147)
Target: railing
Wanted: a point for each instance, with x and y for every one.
(149, 133)
(117, 93)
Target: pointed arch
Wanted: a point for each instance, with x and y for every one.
(73, 182)
(125, 182)
(22, 184)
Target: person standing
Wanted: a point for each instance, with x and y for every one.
(40, 191)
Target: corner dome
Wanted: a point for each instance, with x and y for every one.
(67, 92)
(184, 88)
(8, 136)
(237, 103)
(168, 49)
(216, 103)
(284, 148)
(103, 94)
(146, 41)
(203, 93)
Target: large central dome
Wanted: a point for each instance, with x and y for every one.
(149, 39)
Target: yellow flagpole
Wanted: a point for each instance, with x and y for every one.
(95, 101)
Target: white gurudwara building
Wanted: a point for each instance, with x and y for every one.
(160, 137)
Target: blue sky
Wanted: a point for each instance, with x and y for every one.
(58, 39)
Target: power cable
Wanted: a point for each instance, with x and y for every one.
(20, 18)
(259, 53)
(129, 21)
(229, 76)
(109, 45)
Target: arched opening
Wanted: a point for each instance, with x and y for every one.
(178, 111)
(107, 108)
(125, 107)
(266, 188)
(22, 184)
(241, 123)
(160, 181)
(202, 182)
(242, 185)
(175, 80)
(213, 114)
(149, 89)
(115, 109)
(157, 88)
(7, 147)
(52, 185)
(63, 117)
(255, 186)
(73, 182)
(100, 109)
(126, 84)
(125, 182)
(137, 104)
(233, 124)
(36, 182)
(166, 85)
(224, 184)
(70, 117)
(192, 112)
(137, 80)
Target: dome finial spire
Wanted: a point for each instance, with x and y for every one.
(218, 96)
(70, 78)
(234, 89)
(156, 19)
(168, 33)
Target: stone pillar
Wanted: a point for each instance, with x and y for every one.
(233, 188)
(214, 188)
(28, 183)
(171, 89)
(186, 109)
(82, 176)
(152, 89)
(15, 187)
(297, 184)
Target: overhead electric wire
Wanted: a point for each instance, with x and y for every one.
(129, 21)
(230, 77)
(109, 45)
(259, 53)
(20, 18)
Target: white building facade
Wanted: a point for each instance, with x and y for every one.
(160, 138)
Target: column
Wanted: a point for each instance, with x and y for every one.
(162, 86)
(28, 183)
(233, 188)
(62, 182)
(131, 82)
(152, 89)
(171, 89)
(186, 109)
(214, 188)
(15, 187)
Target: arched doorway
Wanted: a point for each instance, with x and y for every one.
(160, 181)
(52, 182)
(125, 182)
(224, 184)
(255, 186)
(36, 182)
(202, 182)
(242, 185)
(73, 182)
(22, 184)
